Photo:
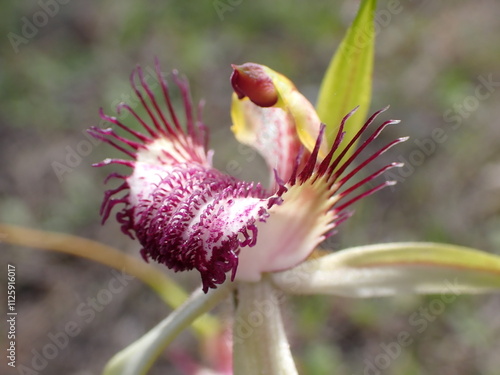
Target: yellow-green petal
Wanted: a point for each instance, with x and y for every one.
(348, 79)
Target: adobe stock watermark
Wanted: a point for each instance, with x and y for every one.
(419, 321)
(263, 309)
(234, 167)
(223, 6)
(75, 154)
(58, 341)
(454, 116)
(30, 26)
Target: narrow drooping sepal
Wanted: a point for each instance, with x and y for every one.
(186, 214)
(138, 357)
(398, 268)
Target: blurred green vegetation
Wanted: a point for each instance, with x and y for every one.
(430, 59)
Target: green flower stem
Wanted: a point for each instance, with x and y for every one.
(259, 341)
(167, 289)
(137, 358)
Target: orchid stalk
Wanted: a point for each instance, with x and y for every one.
(258, 242)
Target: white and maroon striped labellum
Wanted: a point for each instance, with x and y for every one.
(188, 215)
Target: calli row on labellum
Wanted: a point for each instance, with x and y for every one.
(188, 215)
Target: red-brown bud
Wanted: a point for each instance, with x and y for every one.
(252, 80)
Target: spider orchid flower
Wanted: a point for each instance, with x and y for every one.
(188, 215)
(258, 242)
